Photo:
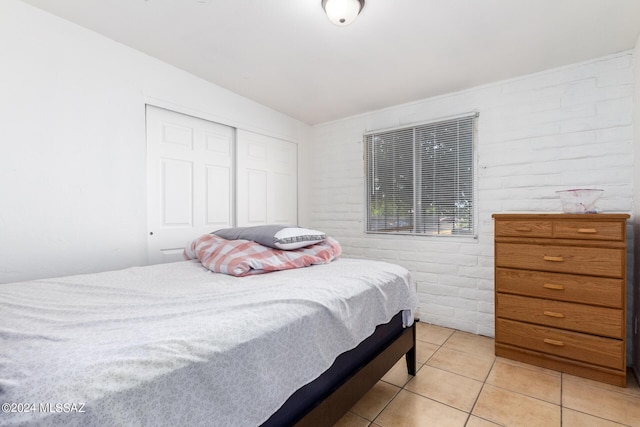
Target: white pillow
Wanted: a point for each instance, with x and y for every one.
(297, 237)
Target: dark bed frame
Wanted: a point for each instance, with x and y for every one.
(325, 400)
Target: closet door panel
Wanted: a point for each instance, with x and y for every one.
(266, 180)
(190, 175)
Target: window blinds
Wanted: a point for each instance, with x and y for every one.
(420, 179)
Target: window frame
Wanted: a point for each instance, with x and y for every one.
(473, 115)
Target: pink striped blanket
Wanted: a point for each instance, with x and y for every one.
(244, 257)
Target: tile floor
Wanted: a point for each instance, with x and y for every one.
(460, 382)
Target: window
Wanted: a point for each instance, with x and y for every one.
(420, 179)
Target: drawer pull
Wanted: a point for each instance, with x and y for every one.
(553, 286)
(554, 314)
(587, 230)
(553, 258)
(554, 342)
(525, 229)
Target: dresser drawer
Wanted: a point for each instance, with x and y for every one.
(601, 321)
(572, 345)
(591, 230)
(565, 287)
(524, 228)
(562, 259)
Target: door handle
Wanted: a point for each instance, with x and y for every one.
(554, 342)
(553, 258)
(553, 286)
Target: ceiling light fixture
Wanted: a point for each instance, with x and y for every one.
(342, 12)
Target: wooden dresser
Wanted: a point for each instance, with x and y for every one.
(560, 292)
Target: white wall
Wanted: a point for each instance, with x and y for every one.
(636, 209)
(72, 143)
(564, 128)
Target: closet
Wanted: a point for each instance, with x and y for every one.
(203, 176)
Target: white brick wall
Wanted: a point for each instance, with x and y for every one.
(563, 128)
(634, 333)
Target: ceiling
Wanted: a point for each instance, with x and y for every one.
(285, 54)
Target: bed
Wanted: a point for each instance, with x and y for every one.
(175, 344)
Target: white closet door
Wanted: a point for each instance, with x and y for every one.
(267, 180)
(189, 181)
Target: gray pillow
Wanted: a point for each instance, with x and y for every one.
(277, 236)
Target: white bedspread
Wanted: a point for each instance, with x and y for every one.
(175, 344)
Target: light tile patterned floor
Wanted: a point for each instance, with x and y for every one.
(461, 383)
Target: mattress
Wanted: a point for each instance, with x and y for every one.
(175, 344)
